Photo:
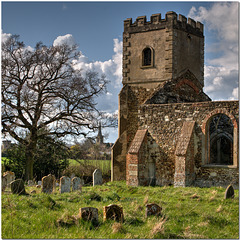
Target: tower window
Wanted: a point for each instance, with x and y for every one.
(147, 57)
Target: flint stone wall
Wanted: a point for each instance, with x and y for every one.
(164, 122)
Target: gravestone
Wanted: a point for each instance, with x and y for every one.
(76, 184)
(48, 183)
(113, 212)
(10, 176)
(4, 183)
(89, 214)
(229, 193)
(97, 177)
(17, 187)
(153, 209)
(65, 184)
(31, 183)
(39, 183)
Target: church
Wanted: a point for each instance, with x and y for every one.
(169, 131)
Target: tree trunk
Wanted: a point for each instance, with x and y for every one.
(29, 169)
(30, 152)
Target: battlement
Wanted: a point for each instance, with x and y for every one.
(172, 20)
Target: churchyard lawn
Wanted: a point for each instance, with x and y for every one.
(186, 213)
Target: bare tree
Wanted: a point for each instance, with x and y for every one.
(42, 90)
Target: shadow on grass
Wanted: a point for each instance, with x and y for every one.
(134, 221)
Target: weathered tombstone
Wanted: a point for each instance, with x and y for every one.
(229, 193)
(17, 187)
(39, 183)
(89, 214)
(76, 184)
(153, 209)
(65, 184)
(31, 183)
(97, 177)
(4, 183)
(113, 212)
(48, 184)
(10, 176)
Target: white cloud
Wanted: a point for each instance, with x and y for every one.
(66, 39)
(221, 69)
(5, 36)
(112, 69)
(220, 82)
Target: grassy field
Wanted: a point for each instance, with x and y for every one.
(103, 165)
(187, 213)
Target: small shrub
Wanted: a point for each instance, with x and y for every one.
(67, 220)
(80, 170)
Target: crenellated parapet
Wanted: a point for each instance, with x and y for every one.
(172, 20)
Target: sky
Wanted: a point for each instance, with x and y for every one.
(96, 27)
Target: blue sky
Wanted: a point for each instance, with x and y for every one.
(97, 29)
(94, 25)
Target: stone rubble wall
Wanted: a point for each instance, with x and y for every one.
(164, 122)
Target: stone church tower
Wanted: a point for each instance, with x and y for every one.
(163, 79)
(161, 49)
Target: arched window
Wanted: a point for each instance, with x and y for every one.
(147, 57)
(221, 140)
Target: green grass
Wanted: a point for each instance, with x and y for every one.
(103, 165)
(188, 213)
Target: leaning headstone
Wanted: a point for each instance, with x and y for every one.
(17, 187)
(48, 183)
(88, 214)
(4, 183)
(113, 212)
(10, 176)
(31, 183)
(229, 193)
(76, 184)
(153, 209)
(65, 184)
(97, 177)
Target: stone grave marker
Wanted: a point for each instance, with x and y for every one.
(113, 212)
(229, 193)
(4, 183)
(40, 183)
(31, 183)
(89, 214)
(65, 184)
(153, 209)
(76, 184)
(97, 177)
(10, 176)
(17, 187)
(48, 183)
